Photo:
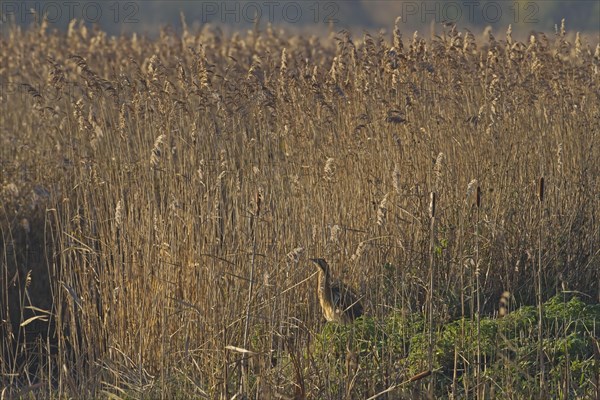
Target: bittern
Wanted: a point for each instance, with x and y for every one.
(338, 302)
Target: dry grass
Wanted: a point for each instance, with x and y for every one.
(143, 180)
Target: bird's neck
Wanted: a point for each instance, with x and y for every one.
(324, 279)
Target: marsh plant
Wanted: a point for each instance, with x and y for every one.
(160, 199)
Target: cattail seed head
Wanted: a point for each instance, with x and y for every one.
(295, 254)
(503, 304)
(420, 376)
(284, 65)
(559, 156)
(398, 46)
(359, 251)
(437, 169)
(119, 213)
(470, 187)
(329, 169)
(156, 154)
(382, 211)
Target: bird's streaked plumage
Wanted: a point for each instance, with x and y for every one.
(338, 302)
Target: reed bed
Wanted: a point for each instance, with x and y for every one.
(160, 198)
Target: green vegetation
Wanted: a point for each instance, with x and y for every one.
(508, 350)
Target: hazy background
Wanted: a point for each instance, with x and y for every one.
(147, 17)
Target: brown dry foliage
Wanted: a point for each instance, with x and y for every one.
(136, 163)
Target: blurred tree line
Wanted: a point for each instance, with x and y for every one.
(146, 16)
